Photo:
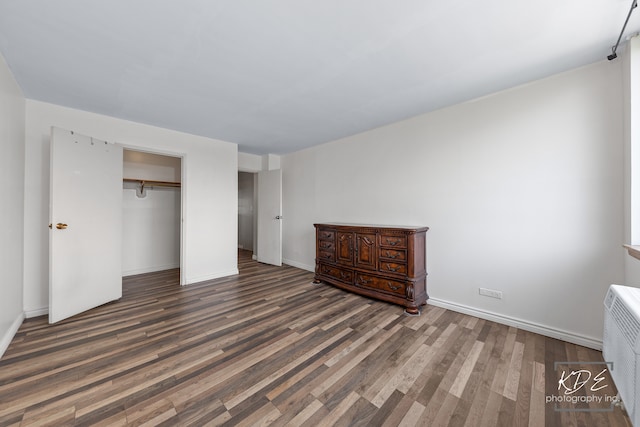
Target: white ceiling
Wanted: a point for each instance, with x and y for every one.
(277, 76)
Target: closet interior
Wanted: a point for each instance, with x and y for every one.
(152, 205)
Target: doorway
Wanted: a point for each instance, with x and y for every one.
(260, 215)
(152, 211)
(247, 206)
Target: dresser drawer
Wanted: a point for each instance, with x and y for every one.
(382, 284)
(327, 245)
(327, 255)
(393, 241)
(326, 235)
(340, 274)
(392, 267)
(393, 254)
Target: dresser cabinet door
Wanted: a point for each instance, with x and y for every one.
(366, 251)
(345, 248)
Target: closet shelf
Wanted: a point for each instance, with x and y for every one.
(634, 250)
(152, 183)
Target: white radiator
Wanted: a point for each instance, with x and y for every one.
(621, 345)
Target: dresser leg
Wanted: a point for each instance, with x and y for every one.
(316, 281)
(412, 311)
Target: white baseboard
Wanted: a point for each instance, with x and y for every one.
(35, 313)
(300, 265)
(520, 324)
(198, 279)
(10, 333)
(149, 269)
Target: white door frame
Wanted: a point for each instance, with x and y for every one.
(183, 197)
(255, 172)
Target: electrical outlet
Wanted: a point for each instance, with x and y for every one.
(491, 293)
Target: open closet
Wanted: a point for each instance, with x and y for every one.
(151, 212)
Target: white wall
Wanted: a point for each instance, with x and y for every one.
(12, 118)
(522, 190)
(209, 183)
(249, 162)
(151, 224)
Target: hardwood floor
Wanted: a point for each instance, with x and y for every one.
(267, 347)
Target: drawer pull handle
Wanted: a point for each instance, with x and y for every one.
(389, 255)
(343, 275)
(327, 256)
(392, 242)
(364, 281)
(393, 288)
(392, 269)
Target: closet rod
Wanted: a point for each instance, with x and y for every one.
(152, 183)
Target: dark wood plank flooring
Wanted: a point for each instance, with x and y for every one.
(267, 347)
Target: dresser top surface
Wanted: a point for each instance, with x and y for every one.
(378, 226)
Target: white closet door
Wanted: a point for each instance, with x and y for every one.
(270, 217)
(85, 243)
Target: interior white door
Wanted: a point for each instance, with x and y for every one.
(85, 241)
(270, 217)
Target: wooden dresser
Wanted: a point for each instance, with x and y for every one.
(383, 262)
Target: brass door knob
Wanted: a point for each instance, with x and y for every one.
(61, 226)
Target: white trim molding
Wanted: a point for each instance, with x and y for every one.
(35, 313)
(199, 279)
(145, 270)
(299, 265)
(11, 332)
(519, 323)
